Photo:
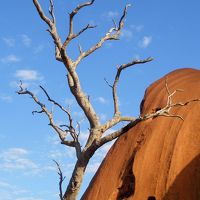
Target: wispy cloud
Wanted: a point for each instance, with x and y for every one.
(69, 101)
(9, 191)
(101, 100)
(26, 40)
(110, 14)
(55, 154)
(127, 34)
(145, 42)
(38, 49)
(136, 28)
(53, 139)
(28, 75)
(10, 59)
(16, 84)
(9, 41)
(6, 98)
(16, 159)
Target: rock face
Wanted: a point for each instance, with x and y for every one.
(159, 158)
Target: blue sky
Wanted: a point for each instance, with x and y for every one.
(166, 30)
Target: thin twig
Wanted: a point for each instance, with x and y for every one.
(51, 11)
(61, 179)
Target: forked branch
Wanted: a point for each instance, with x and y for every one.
(61, 133)
(112, 34)
(117, 115)
(117, 77)
(165, 111)
(61, 179)
(60, 106)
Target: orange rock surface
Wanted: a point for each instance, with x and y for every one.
(158, 158)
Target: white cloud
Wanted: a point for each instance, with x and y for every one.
(145, 41)
(9, 41)
(28, 75)
(10, 59)
(5, 185)
(19, 159)
(136, 28)
(9, 191)
(111, 14)
(26, 40)
(6, 98)
(16, 159)
(53, 139)
(101, 100)
(55, 154)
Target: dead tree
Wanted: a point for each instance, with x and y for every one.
(96, 136)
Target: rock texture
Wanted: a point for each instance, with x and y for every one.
(159, 158)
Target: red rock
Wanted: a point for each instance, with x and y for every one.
(158, 158)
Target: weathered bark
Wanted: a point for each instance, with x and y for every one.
(78, 174)
(76, 180)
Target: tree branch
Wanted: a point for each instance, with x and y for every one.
(51, 11)
(83, 100)
(114, 87)
(62, 134)
(59, 131)
(61, 179)
(60, 106)
(117, 115)
(112, 34)
(71, 34)
(41, 13)
(165, 111)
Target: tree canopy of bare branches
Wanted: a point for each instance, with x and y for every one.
(97, 130)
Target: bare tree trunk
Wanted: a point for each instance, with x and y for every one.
(96, 137)
(76, 179)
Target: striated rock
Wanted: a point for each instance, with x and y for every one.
(159, 158)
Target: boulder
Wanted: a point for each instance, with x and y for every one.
(158, 158)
